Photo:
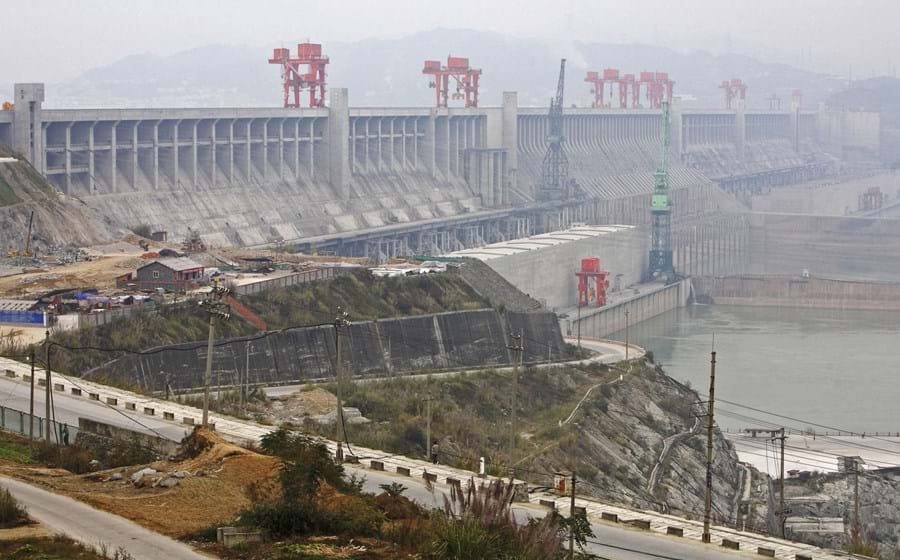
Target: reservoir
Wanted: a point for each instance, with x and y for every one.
(832, 367)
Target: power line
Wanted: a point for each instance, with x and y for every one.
(829, 438)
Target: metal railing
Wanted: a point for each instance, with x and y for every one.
(17, 422)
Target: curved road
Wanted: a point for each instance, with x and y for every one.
(91, 526)
(615, 542)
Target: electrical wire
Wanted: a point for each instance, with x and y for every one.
(810, 423)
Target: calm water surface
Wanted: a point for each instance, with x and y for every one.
(839, 368)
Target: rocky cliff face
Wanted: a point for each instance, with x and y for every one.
(58, 219)
(831, 497)
(641, 441)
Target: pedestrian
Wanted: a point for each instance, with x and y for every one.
(64, 431)
(435, 449)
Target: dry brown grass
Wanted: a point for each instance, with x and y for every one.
(217, 490)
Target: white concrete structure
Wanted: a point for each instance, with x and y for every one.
(543, 266)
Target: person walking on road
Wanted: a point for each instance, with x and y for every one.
(435, 449)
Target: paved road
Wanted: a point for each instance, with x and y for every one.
(240, 431)
(90, 526)
(619, 543)
(15, 393)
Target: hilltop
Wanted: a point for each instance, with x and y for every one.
(58, 219)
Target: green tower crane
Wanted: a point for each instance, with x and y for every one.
(661, 267)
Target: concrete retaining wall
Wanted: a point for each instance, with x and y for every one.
(88, 428)
(400, 345)
(652, 301)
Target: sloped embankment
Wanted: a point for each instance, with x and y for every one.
(617, 437)
(58, 219)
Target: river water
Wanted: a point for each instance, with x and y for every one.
(832, 367)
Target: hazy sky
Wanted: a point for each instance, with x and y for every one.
(52, 40)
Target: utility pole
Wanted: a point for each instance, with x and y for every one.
(340, 322)
(428, 421)
(216, 308)
(244, 385)
(626, 334)
(856, 532)
(31, 404)
(709, 447)
(208, 372)
(578, 325)
(47, 392)
(517, 351)
(781, 513)
(572, 519)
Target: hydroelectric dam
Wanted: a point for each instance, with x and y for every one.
(399, 181)
(394, 181)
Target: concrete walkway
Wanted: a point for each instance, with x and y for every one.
(93, 527)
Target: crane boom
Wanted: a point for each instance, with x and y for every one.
(555, 167)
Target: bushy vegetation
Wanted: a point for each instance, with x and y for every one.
(366, 296)
(478, 523)
(58, 547)
(14, 448)
(76, 457)
(309, 479)
(12, 513)
(172, 324)
(142, 230)
(316, 498)
(472, 410)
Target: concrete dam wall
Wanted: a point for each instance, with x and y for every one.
(828, 246)
(796, 291)
(249, 176)
(385, 347)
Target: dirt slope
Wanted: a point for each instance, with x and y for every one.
(58, 219)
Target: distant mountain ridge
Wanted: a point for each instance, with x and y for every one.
(387, 72)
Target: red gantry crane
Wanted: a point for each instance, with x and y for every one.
(306, 71)
(466, 80)
(615, 80)
(657, 88)
(592, 283)
(734, 89)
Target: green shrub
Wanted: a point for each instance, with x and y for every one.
(394, 489)
(284, 519)
(11, 511)
(73, 458)
(307, 462)
(142, 230)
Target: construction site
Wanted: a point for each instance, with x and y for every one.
(332, 268)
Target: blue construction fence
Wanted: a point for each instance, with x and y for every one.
(24, 317)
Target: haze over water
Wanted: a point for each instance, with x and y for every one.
(832, 367)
